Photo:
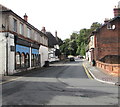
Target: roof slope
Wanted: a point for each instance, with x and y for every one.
(51, 40)
(3, 8)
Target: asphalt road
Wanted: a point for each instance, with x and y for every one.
(59, 84)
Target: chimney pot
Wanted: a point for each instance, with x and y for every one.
(43, 30)
(117, 10)
(25, 17)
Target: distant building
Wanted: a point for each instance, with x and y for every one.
(22, 46)
(53, 46)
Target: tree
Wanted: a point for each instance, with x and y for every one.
(78, 41)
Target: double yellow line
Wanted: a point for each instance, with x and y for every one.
(87, 72)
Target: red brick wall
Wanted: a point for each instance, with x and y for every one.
(108, 41)
(111, 69)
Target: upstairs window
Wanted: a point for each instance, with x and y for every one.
(28, 32)
(15, 25)
(21, 28)
(36, 35)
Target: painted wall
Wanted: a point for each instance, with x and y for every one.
(7, 56)
(43, 51)
(2, 53)
(51, 55)
(11, 54)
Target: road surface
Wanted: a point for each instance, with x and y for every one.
(59, 84)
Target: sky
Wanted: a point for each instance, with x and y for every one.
(63, 16)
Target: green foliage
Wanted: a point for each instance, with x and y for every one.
(78, 41)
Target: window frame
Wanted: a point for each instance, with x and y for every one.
(21, 28)
(14, 25)
(28, 32)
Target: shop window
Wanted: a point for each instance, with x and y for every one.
(39, 59)
(22, 60)
(27, 60)
(32, 60)
(18, 60)
(35, 60)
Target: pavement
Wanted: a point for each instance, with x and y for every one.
(99, 75)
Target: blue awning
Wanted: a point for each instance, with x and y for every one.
(22, 49)
(35, 51)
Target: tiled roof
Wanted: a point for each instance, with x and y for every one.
(51, 40)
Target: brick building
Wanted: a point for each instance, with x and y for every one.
(106, 48)
(107, 44)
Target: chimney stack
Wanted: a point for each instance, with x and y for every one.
(55, 33)
(106, 20)
(117, 10)
(25, 17)
(56, 36)
(43, 30)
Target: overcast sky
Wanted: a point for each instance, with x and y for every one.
(65, 16)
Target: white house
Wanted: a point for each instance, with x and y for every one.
(90, 48)
(53, 46)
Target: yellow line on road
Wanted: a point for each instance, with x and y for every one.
(10, 80)
(87, 72)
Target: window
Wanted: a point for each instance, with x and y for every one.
(35, 59)
(32, 60)
(36, 36)
(15, 25)
(109, 26)
(18, 60)
(21, 28)
(22, 60)
(40, 39)
(28, 32)
(27, 60)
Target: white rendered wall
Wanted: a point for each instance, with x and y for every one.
(43, 51)
(11, 55)
(52, 56)
(2, 53)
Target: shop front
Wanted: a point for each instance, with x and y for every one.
(26, 55)
(35, 57)
(22, 57)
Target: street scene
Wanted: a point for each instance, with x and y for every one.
(60, 84)
(59, 52)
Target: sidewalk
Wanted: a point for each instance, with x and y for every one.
(99, 75)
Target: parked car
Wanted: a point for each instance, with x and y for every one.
(81, 57)
(72, 59)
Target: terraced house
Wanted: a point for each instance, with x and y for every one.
(22, 46)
